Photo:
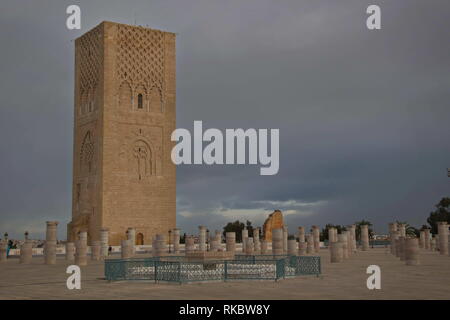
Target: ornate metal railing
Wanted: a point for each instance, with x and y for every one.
(243, 267)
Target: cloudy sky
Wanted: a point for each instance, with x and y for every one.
(363, 115)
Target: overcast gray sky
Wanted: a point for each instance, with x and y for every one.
(363, 115)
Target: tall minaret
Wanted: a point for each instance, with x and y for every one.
(123, 176)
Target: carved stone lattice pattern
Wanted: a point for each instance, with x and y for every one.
(87, 150)
(90, 59)
(140, 57)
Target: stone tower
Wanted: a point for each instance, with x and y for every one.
(123, 175)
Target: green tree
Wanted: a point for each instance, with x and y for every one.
(237, 227)
(324, 232)
(410, 230)
(442, 213)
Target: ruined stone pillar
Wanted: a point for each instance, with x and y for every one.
(411, 251)
(302, 248)
(70, 251)
(301, 234)
(309, 243)
(433, 244)
(427, 239)
(402, 229)
(3, 249)
(244, 238)
(202, 238)
(81, 249)
(50, 242)
(342, 238)
(285, 238)
(422, 240)
(230, 239)
(26, 252)
(264, 247)
(364, 237)
(96, 248)
(249, 246)
(176, 240)
(213, 244)
(189, 243)
(316, 238)
(256, 242)
(349, 240)
(336, 252)
(126, 249)
(292, 247)
(331, 236)
(402, 248)
(392, 233)
(131, 236)
(353, 235)
(443, 237)
(277, 241)
(104, 239)
(160, 245)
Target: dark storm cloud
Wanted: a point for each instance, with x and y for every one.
(363, 115)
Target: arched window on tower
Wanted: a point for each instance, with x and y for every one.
(140, 101)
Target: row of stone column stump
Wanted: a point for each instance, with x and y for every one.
(407, 248)
(341, 246)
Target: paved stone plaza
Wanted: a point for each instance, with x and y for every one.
(346, 280)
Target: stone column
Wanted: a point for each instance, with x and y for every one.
(402, 229)
(349, 240)
(402, 248)
(353, 235)
(342, 238)
(256, 241)
(331, 236)
(131, 236)
(176, 240)
(70, 251)
(301, 234)
(249, 246)
(394, 240)
(126, 249)
(411, 251)
(230, 239)
(427, 239)
(160, 245)
(309, 243)
(364, 237)
(277, 241)
(302, 248)
(202, 238)
(433, 244)
(422, 240)
(189, 243)
(436, 242)
(3, 249)
(316, 237)
(264, 245)
(96, 250)
(50, 242)
(104, 240)
(443, 237)
(213, 244)
(292, 247)
(336, 252)
(26, 252)
(244, 238)
(392, 231)
(285, 238)
(81, 249)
